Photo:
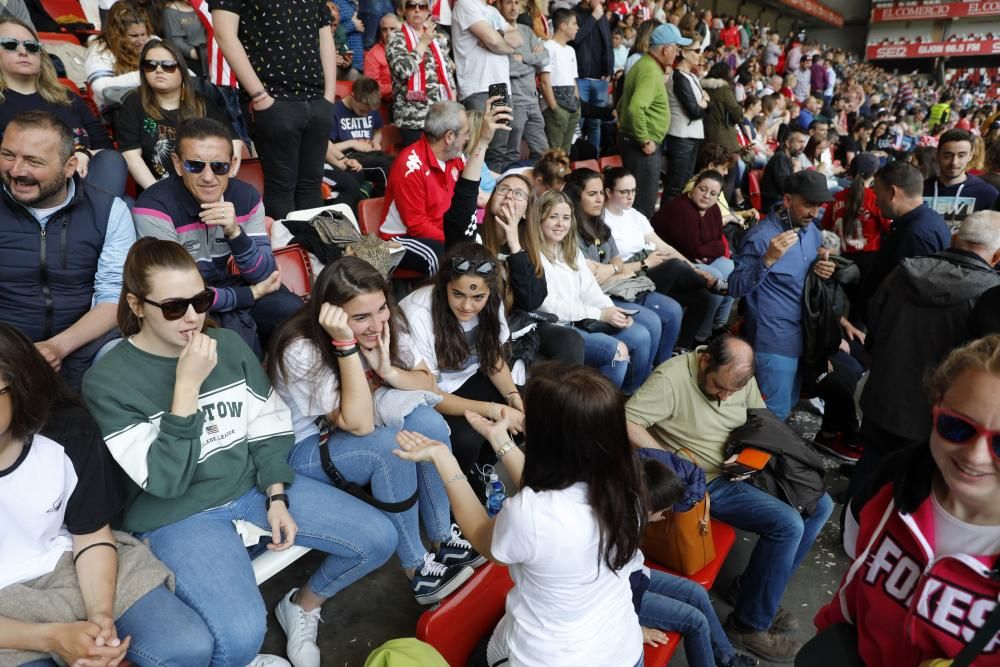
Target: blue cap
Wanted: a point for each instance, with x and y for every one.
(668, 34)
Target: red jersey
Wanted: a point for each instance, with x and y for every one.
(418, 193)
(873, 223)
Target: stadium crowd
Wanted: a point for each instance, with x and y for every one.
(596, 241)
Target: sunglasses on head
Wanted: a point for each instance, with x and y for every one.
(174, 309)
(461, 266)
(198, 166)
(959, 430)
(168, 66)
(11, 44)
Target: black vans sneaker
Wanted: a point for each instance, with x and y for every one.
(458, 551)
(434, 582)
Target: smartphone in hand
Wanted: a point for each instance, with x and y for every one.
(499, 90)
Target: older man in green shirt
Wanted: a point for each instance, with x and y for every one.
(644, 114)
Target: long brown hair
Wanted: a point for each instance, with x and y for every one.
(576, 431)
(534, 240)
(450, 345)
(191, 104)
(495, 241)
(47, 81)
(339, 282)
(114, 38)
(147, 256)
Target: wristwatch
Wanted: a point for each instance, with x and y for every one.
(278, 496)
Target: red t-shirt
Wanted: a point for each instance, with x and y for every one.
(873, 223)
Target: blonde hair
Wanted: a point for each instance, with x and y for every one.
(475, 128)
(121, 16)
(534, 240)
(979, 355)
(47, 81)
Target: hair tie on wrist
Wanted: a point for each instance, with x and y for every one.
(344, 343)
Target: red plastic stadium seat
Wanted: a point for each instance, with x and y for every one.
(391, 140)
(344, 89)
(753, 189)
(610, 161)
(585, 164)
(296, 273)
(370, 214)
(59, 8)
(724, 536)
(58, 37)
(461, 620)
(252, 172)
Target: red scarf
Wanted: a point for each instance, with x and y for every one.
(416, 87)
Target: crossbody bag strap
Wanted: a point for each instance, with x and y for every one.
(971, 651)
(356, 490)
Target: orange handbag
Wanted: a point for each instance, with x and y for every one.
(682, 541)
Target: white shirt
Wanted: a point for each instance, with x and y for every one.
(566, 607)
(629, 230)
(954, 536)
(311, 389)
(419, 343)
(562, 68)
(573, 295)
(476, 66)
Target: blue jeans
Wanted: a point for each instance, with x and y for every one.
(155, 622)
(778, 378)
(785, 539)
(213, 571)
(720, 267)
(369, 460)
(595, 92)
(599, 351)
(668, 312)
(676, 604)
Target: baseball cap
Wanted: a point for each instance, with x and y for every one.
(865, 164)
(668, 34)
(810, 185)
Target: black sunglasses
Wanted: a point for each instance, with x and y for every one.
(11, 44)
(416, 5)
(174, 309)
(462, 266)
(169, 66)
(198, 166)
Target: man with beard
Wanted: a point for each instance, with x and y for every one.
(692, 403)
(62, 246)
(955, 193)
(780, 167)
(772, 263)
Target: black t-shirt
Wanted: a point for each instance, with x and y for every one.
(137, 129)
(87, 129)
(281, 38)
(847, 144)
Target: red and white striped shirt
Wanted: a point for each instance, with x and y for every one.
(219, 72)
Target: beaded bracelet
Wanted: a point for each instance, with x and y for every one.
(505, 449)
(344, 343)
(456, 478)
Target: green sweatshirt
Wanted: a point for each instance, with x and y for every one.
(643, 110)
(179, 466)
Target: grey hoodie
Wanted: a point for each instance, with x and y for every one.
(919, 314)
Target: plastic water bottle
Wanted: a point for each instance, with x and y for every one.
(495, 495)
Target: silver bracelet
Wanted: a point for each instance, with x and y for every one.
(456, 478)
(505, 449)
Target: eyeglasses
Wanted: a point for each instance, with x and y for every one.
(625, 193)
(518, 195)
(198, 166)
(960, 430)
(168, 66)
(461, 266)
(417, 5)
(174, 309)
(11, 44)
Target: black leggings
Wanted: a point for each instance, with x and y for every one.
(468, 446)
(676, 279)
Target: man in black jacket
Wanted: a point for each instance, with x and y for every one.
(920, 313)
(594, 62)
(780, 167)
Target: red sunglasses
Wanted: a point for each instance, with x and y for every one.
(958, 429)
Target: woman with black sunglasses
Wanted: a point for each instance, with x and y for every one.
(926, 535)
(29, 83)
(190, 417)
(458, 330)
(146, 125)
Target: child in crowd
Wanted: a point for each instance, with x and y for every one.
(356, 133)
(620, 49)
(557, 82)
(351, 397)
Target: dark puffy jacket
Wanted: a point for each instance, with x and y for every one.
(47, 278)
(920, 313)
(824, 302)
(795, 472)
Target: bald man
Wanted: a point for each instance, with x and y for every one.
(693, 402)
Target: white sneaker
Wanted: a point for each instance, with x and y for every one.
(301, 628)
(268, 660)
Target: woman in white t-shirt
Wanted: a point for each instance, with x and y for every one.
(338, 366)
(571, 535)
(457, 330)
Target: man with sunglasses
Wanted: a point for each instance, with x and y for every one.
(62, 246)
(219, 220)
(920, 312)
